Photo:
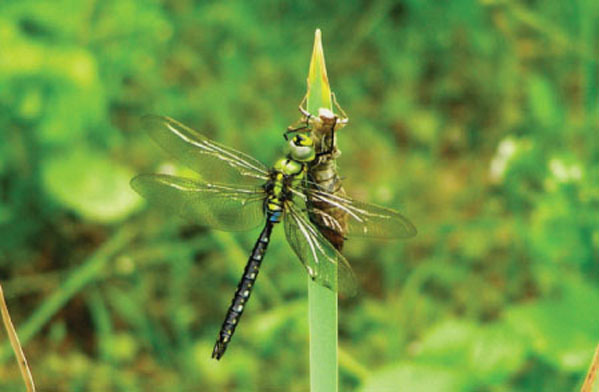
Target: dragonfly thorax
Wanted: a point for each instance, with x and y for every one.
(288, 167)
(286, 174)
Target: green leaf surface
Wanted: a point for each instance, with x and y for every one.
(543, 102)
(319, 89)
(559, 230)
(562, 329)
(90, 184)
(448, 343)
(411, 377)
(490, 354)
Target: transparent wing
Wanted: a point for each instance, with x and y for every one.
(320, 259)
(212, 160)
(363, 219)
(223, 207)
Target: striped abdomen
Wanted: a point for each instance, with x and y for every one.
(324, 174)
(242, 294)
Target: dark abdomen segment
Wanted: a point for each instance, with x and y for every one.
(242, 294)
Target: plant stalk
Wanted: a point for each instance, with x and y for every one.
(322, 302)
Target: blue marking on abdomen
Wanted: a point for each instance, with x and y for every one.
(274, 216)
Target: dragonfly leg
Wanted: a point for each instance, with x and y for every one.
(303, 111)
(305, 120)
(291, 129)
(344, 119)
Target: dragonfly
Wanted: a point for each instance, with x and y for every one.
(260, 196)
(322, 172)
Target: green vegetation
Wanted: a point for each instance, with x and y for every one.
(323, 313)
(480, 119)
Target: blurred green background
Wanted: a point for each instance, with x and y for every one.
(478, 119)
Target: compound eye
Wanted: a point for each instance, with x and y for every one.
(302, 141)
(302, 148)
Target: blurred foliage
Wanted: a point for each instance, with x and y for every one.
(481, 117)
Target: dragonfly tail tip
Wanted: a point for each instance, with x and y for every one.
(219, 350)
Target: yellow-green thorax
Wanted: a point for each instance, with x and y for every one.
(288, 173)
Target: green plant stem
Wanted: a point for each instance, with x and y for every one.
(90, 270)
(322, 303)
(352, 366)
(16, 345)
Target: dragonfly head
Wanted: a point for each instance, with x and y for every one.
(301, 148)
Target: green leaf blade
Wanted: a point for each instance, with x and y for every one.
(321, 301)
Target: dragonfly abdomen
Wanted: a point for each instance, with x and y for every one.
(325, 176)
(243, 292)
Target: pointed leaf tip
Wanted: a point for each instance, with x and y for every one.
(319, 90)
